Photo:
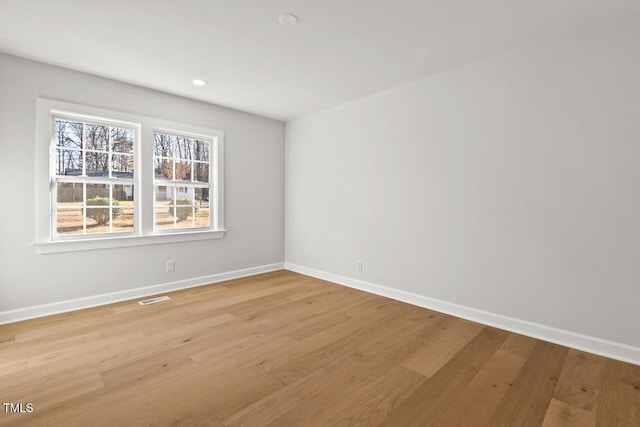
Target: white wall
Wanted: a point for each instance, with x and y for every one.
(511, 185)
(254, 187)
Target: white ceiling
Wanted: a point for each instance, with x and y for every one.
(339, 51)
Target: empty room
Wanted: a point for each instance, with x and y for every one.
(319, 213)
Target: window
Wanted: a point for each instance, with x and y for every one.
(93, 166)
(182, 181)
(110, 179)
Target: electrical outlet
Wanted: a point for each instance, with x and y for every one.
(359, 265)
(171, 266)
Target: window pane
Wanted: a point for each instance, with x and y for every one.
(69, 221)
(122, 211)
(123, 195)
(97, 164)
(163, 145)
(163, 168)
(201, 196)
(201, 151)
(201, 172)
(163, 220)
(98, 208)
(122, 166)
(185, 196)
(97, 191)
(183, 171)
(98, 217)
(182, 148)
(68, 162)
(123, 221)
(163, 193)
(68, 134)
(69, 194)
(122, 140)
(202, 203)
(185, 212)
(202, 217)
(163, 200)
(97, 138)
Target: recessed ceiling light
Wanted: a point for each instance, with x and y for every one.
(288, 19)
(198, 82)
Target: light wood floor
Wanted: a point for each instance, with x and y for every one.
(282, 349)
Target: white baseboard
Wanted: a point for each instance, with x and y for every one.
(610, 349)
(102, 299)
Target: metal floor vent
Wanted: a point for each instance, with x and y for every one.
(153, 300)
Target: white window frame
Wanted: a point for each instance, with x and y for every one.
(144, 233)
(84, 179)
(212, 183)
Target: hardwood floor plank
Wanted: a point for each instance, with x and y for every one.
(256, 307)
(305, 293)
(525, 404)
(141, 369)
(519, 345)
(477, 402)
(7, 337)
(580, 380)
(372, 403)
(235, 298)
(313, 326)
(630, 384)
(59, 326)
(433, 357)
(11, 366)
(22, 350)
(434, 397)
(619, 397)
(561, 414)
(90, 349)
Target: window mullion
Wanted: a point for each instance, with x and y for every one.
(109, 151)
(110, 208)
(192, 165)
(95, 180)
(174, 196)
(84, 149)
(109, 168)
(84, 208)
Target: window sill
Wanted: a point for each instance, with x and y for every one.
(125, 241)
